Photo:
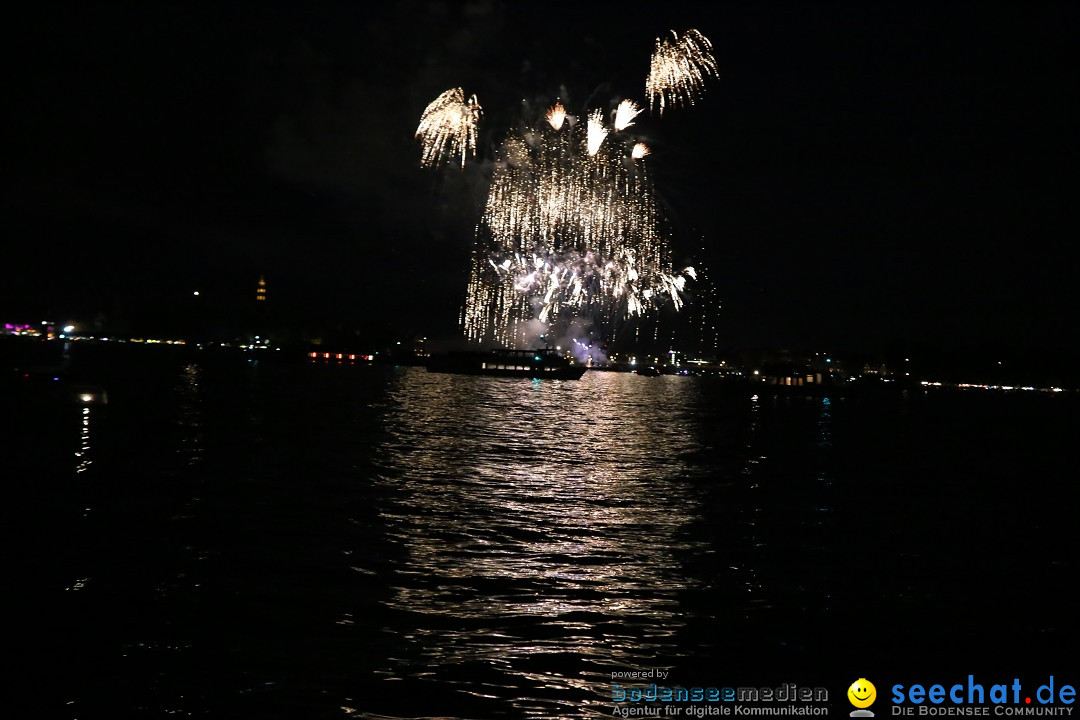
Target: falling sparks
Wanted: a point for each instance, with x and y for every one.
(596, 133)
(556, 115)
(565, 234)
(625, 114)
(678, 69)
(448, 128)
(640, 150)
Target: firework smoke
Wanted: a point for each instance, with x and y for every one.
(448, 128)
(678, 69)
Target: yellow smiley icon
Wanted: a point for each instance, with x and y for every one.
(862, 693)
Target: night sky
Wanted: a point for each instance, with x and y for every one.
(862, 175)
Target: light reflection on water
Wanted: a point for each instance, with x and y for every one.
(189, 402)
(82, 455)
(351, 541)
(277, 542)
(506, 544)
(539, 518)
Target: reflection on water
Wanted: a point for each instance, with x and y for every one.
(273, 543)
(743, 566)
(825, 424)
(539, 518)
(82, 455)
(824, 444)
(189, 416)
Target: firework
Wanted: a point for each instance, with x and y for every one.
(596, 133)
(678, 69)
(448, 128)
(625, 114)
(570, 229)
(556, 115)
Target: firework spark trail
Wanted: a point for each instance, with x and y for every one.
(678, 69)
(448, 128)
(625, 114)
(597, 132)
(640, 150)
(569, 229)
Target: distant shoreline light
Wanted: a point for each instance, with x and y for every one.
(982, 386)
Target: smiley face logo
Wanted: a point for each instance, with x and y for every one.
(862, 693)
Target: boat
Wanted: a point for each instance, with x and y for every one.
(543, 363)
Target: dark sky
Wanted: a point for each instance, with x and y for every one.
(861, 174)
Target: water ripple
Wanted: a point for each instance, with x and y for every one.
(541, 523)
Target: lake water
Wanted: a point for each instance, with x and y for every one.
(247, 538)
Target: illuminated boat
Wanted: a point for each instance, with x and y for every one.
(544, 363)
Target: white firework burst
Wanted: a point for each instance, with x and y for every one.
(678, 69)
(448, 128)
(556, 116)
(596, 132)
(625, 114)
